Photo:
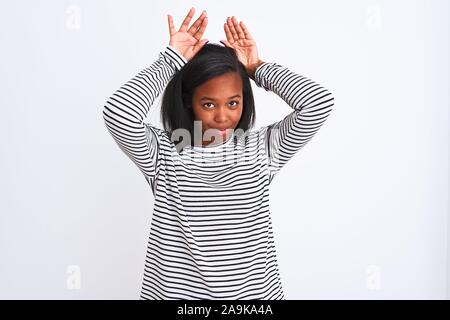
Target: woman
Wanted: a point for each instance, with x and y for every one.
(211, 233)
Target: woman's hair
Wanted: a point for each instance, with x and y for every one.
(211, 61)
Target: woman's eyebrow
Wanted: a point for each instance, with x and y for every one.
(207, 98)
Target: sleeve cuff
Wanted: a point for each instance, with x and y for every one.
(260, 66)
(173, 57)
(262, 74)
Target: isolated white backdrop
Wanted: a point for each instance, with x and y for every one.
(361, 212)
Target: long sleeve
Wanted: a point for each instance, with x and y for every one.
(126, 109)
(312, 105)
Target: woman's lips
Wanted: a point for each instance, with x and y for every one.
(221, 130)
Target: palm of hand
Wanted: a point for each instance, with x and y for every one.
(187, 40)
(185, 43)
(246, 51)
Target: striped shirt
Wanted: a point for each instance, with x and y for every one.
(211, 231)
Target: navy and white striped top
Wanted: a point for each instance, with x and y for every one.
(211, 231)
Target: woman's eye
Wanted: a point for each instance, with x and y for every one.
(236, 103)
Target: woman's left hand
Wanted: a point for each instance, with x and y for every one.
(240, 39)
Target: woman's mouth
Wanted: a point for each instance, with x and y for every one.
(222, 131)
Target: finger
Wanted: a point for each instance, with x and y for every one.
(232, 30)
(246, 32)
(228, 32)
(197, 23)
(238, 29)
(199, 33)
(187, 20)
(171, 26)
(226, 43)
(200, 45)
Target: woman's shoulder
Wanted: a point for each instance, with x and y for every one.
(251, 138)
(162, 136)
(256, 133)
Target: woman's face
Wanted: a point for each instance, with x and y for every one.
(218, 103)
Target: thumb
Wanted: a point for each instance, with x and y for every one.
(225, 43)
(202, 43)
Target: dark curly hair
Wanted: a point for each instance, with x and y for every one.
(211, 61)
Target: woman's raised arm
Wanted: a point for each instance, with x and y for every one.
(312, 105)
(311, 102)
(126, 109)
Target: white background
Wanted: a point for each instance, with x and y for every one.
(361, 212)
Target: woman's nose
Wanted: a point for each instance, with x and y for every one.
(220, 114)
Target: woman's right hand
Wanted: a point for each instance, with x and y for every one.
(188, 40)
